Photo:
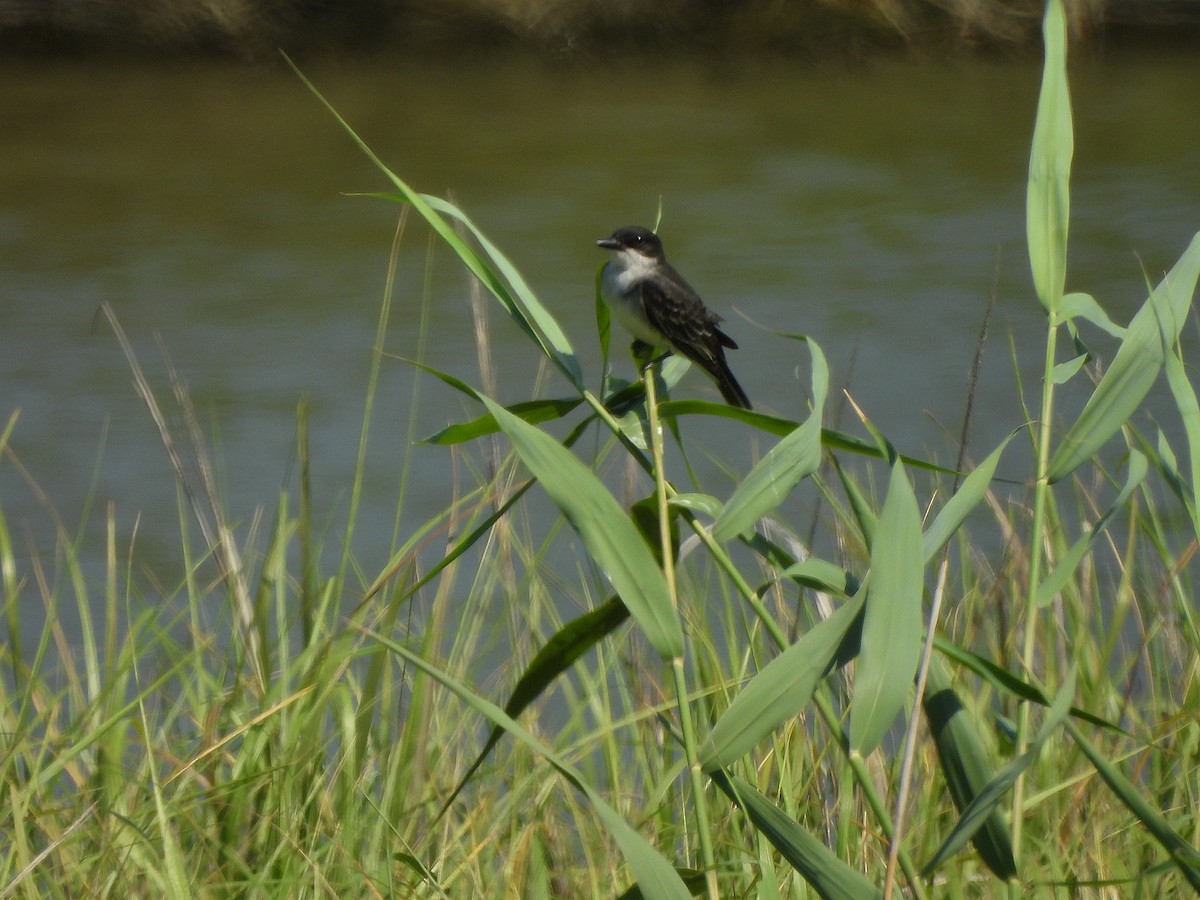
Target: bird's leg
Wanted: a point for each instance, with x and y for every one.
(641, 353)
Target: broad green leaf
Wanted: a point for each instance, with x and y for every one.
(1005, 681)
(1148, 340)
(790, 461)
(519, 299)
(829, 876)
(779, 691)
(705, 504)
(1048, 198)
(821, 576)
(973, 489)
(655, 875)
(1179, 850)
(1065, 371)
(966, 766)
(558, 654)
(776, 425)
(1084, 306)
(532, 411)
(770, 424)
(980, 810)
(1066, 567)
(609, 536)
(891, 639)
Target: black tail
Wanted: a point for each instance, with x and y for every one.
(728, 385)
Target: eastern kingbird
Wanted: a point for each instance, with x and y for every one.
(654, 304)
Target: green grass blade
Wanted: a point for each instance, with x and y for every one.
(1148, 340)
(1182, 853)
(531, 309)
(986, 802)
(1048, 197)
(967, 768)
(781, 690)
(655, 875)
(973, 489)
(559, 653)
(1005, 681)
(608, 534)
(1084, 306)
(496, 273)
(1189, 412)
(790, 461)
(532, 411)
(1070, 561)
(891, 640)
(829, 876)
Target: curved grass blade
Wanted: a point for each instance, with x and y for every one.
(967, 768)
(608, 534)
(821, 575)
(779, 691)
(655, 875)
(790, 461)
(1004, 680)
(531, 411)
(1084, 306)
(986, 802)
(496, 273)
(558, 654)
(1181, 852)
(829, 876)
(966, 498)
(694, 879)
(1048, 196)
(1148, 340)
(781, 427)
(1189, 412)
(891, 638)
(525, 300)
(1066, 567)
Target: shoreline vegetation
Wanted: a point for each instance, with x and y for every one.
(699, 700)
(254, 29)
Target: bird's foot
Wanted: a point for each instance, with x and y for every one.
(641, 353)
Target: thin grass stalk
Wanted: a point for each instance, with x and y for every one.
(824, 706)
(687, 726)
(1037, 541)
(910, 738)
(369, 401)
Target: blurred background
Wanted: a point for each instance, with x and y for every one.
(852, 171)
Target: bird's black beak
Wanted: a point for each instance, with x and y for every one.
(609, 244)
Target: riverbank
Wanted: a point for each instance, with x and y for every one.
(255, 29)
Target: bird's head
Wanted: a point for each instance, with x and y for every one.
(636, 240)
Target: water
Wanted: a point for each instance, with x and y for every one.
(874, 207)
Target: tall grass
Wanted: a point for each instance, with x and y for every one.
(694, 702)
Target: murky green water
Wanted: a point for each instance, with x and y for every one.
(873, 207)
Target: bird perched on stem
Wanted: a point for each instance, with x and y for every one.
(661, 310)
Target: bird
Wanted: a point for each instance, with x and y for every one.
(654, 304)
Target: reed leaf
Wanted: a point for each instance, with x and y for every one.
(891, 639)
(1148, 340)
(608, 534)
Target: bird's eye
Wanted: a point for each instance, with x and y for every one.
(637, 239)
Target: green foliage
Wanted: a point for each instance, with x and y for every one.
(478, 720)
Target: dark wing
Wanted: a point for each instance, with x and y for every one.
(679, 314)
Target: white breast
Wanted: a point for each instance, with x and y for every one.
(618, 282)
